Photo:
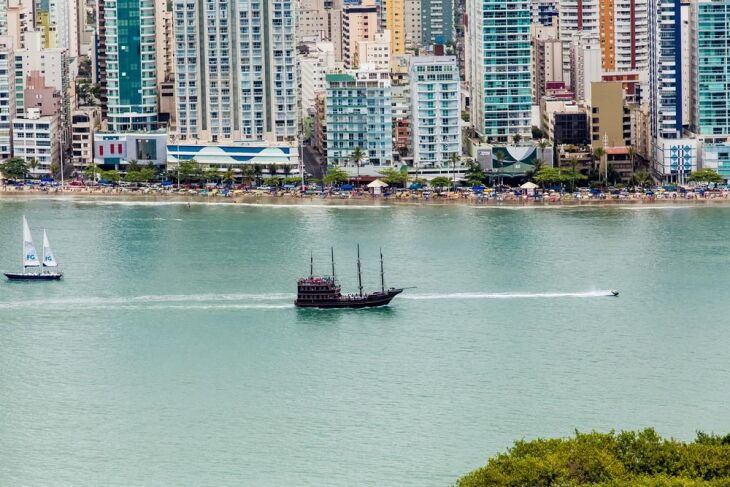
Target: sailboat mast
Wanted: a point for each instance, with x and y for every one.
(382, 273)
(359, 272)
(332, 254)
(25, 223)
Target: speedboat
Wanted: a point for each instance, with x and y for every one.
(613, 292)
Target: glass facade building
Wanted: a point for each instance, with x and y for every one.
(358, 113)
(131, 72)
(500, 70)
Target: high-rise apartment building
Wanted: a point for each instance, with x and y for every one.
(413, 24)
(358, 113)
(498, 41)
(711, 69)
(236, 70)
(359, 23)
(437, 21)
(547, 59)
(624, 34)
(710, 120)
(674, 157)
(435, 110)
(395, 22)
(577, 18)
(7, 98)
(130, 64)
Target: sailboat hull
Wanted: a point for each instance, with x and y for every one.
(40, 276)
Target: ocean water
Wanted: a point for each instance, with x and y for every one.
(171, 353)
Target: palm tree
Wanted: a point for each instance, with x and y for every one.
(516, 139)
(454, 159)
(229, 176)
(573, 168)
(598, 155)
(257, 170)
(32, 165)
(249, 174)
(540, 161)
(357, 156)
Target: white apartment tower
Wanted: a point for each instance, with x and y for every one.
(235, 70)
(576, 18)
(435, 105)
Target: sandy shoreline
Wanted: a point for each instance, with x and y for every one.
(286, 200)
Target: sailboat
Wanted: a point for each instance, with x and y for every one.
(37, 268)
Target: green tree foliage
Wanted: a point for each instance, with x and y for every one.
(112, 176)
(140, 175)
(623, 459)
(440, 182)
(393, 177)
(555, 175)
(14, 168)
(190, 171)
(705, 176)
(474, 175)
(335, 175)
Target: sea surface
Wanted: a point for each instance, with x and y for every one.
(171, 353)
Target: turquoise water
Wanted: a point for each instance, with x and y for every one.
(171, 354)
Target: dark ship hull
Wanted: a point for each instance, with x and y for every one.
(371, 300)
(47, 276)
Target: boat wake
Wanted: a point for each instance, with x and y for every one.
(164, 301)
(435, 296)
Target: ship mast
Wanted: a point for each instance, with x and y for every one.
(382, 273)
(332, 252)
(359, 273)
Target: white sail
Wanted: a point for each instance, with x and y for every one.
(30, 256)
(48, 259)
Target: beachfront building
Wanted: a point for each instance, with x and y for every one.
(36, 140)
(131, 72)
(499, 65)
(673, 156)
(84, 122)
(435, 105)
(358, 113)
(236, 70)
(282, 159)
(437, 22)
(115, 150)
(7, 98)
(710, 118)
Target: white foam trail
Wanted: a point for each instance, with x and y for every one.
(180, 301)
(434, 296)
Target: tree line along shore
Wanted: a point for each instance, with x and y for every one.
(626, 459)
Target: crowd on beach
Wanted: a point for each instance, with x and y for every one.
(474, 195)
